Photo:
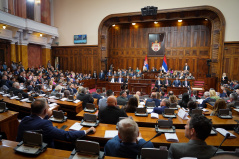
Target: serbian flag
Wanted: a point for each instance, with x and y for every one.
(146, 63)
(165, 66)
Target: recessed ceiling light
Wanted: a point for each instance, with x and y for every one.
(133, 23)
(155, 22)
(180, 20)
(30, 0)
(40, 35)
(113, 25)
(206, 19)
(4, 26)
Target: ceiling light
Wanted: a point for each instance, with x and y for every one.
(30, 0)
(40, 35)
(180, 20)
(206, 19)
(155, 22)
(4, 26)
(113, 25)
(133, 23)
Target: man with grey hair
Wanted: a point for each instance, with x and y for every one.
(233, 99)
(128, 142)
(85, 98)
(16, 89)
(164, 104)
(206, 100)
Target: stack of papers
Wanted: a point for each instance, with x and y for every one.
(182, 114)
(24, 100)
(149, 110)
(199, 101)
(205, 110)
(76, 101)
(171, 137)
(111, 133)
(75, 127)
(5, 95)
(154, 115)
(224, 132)
(52, 97)
(52, 104)
(14, 97)
(63, 99)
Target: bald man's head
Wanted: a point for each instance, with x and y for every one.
(111, 101)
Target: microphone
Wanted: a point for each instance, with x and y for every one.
(158, 134)
(227, 136)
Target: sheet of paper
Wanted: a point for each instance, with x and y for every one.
(224, 132)
(14, 97)
(75, 127)
(182, 114)
(52, 97)
(41, 95)
(111, 133)
(154, 115)
(28, 149)
(52, 104)
(150, 110)
(81, 156)
(199, 101)
(24, 100)
(205, 110)
(172, 137)
(63, 99)
(76, 101)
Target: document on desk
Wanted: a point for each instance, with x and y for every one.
(24, 100)
(182, 114)
(149, 110)
(199, 101)
(224, 132)
(205, 110)
(28, 149)
(52, 97)
(154, 115)
(14, 97)
(171, 137)
(111, 133)
(63, 99)
(52, 104)
(85, 156)
(236, 110)
(76, 127)
(76, 101)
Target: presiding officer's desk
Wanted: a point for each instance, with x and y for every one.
(9, 124)
(148, 133)
(7, 152)
(177, 122)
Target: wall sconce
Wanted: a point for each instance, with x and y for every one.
(4, 26)
(133, 23)
(113, 25)
(38, 1)
(40, 35)
(180, 20)
(155, 22)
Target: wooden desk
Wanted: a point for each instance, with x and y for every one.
(148, 133)
(177, 90)
(71, 108)
(9, 124)
(23, 108)
(90, 83)
(115, 87)
(6, 151)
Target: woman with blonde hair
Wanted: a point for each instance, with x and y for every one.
(173, 99)
(213, 94)
(158, 95)
(220, 104)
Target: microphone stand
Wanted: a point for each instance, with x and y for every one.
(227, 135)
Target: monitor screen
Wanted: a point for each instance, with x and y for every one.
(80, 39)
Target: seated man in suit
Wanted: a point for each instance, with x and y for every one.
(164, 104)
(38, 120)
(101, 75)
(198, 128)
(103, 101)
(109, 73)
(158, 84)
(84, 97)
(167, 82)
(128, 141)
(153, 69)
(122, 99)
(72, 89)
(113, 79)
(206, 100)
(154, 99)
(97, 95)
(233, 99)
(111, 113)
(94, 76)
(120, 79)
(16, 89)
(186, 83)
(176, 83)
(236, 85)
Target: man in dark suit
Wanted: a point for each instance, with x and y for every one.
(94, 76)
(186, 67)
(109, 73)
(127, 79)
(186, 83)
(153, 69)
(167, 82)
(111, 113)
(22, 78)
(153, 99)
(113, 79)
(158, 84)
(16, 89)
(128, 141)
(38, 120)
(236, 85)
(198, 128)
(233, 99)
(72, 89)
(120, 79)
(122, 99)
(85, 98)
(176, 83)
(101, 75)
(97, 95)
(206, 100)
(164, 104)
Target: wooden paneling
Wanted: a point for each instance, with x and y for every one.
(77, 58)
(20, 8)
(188, 42)
(231, 60)
(34, 55)
(45, 12)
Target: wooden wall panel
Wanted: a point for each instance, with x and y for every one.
(189, 42)
(231, 60)
(84, 59)
(34, 55)
(45, 12)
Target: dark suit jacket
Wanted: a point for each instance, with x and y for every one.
(34, 122)
(121, 100)
(97, 96)
(236, 86)
(157, 101)
(85, 98)
(225, 81)
(122, 80)
(116, 148)
(204, 102)
(94, 75)
(110, 114)
(159, 110)
(16, 91)
(176, 83)
(188, 84)
(169, 82)
(21, 79)
(129, 96)
(101, 76)
(157, 83)
(188, 68)
(194, 148)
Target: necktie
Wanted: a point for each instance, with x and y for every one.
(167, 82)
(186, 84)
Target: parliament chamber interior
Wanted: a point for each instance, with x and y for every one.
(119, 79)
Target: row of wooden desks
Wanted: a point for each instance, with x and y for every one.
(177, 122)
(148, 133)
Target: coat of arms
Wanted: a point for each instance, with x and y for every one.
(156, 46)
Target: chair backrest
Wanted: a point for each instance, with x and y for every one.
(151, 104)
(197, 111)
(153, 153)
(173, 105)
(165, 123)
(223, 112)
(90, 106)
(2, 105)
(141, 110)
(58, 114)
(168, 111)
(31, 98)
(88, 147)
(71, 97)
(58, 95)
(90, 117)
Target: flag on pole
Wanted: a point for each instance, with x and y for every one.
(146, 63)
(165, 66)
